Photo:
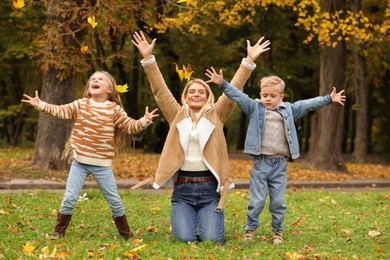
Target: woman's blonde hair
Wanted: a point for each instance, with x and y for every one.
(113, 97)
(209, 101)
(272, 81)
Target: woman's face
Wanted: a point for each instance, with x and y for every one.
(196, 96)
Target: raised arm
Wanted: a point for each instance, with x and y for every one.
(253, 52)
(144, 48)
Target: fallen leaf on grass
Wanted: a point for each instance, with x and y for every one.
(374, 233)
(29, 249)
(152, 229)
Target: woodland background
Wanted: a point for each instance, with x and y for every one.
(54, 46)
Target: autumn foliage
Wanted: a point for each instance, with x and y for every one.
(141, 165)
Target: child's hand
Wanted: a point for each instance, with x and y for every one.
(257, 49)
(214, 77)
(149, 116)
(34, 101)
(338, 97)
(142, 45)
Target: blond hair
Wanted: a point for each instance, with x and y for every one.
(113, 97)
(272, 81)
(209, 101)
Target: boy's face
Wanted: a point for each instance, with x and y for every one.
(270, 96)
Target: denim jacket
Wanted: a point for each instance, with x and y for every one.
(256, 112)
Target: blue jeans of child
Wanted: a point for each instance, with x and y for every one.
(193, 212)
(105, 180)
(268, 175)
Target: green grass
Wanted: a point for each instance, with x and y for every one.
(318, 225)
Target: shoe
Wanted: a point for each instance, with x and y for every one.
(277, 237)
(249, 235)
(61, 226)
(123, 227)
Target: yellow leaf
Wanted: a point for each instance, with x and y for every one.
(182, 1)
(138, 250)
(91, 21)
(185, 73)
(137, 242)
(294, 256)
(84, 49)
(122, 88)
(29, 249)
(19, 4)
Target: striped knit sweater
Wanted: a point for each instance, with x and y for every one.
(92, 137)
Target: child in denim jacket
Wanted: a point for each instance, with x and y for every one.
(271, 138)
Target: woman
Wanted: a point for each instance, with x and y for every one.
(194, 159)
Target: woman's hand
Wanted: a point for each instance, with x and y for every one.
(150, 116)
(253, 52)
(33, 101)
(214, 76)
(143, 46)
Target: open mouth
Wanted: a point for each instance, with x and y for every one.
(95, 86)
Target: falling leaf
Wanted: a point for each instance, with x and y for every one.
(122, 88)
(19, 4)
(374, 233)
(84, 49)
(185, 73)
(91, 21)
(138, 231)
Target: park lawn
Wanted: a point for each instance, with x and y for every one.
(15, 163)
(318, 225)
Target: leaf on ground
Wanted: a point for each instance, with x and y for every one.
(374, 233)
(29, 249)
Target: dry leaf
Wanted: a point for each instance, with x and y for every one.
(374, 233)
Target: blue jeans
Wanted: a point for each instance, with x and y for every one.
(105, 180)
(268, 175)
(193, 212)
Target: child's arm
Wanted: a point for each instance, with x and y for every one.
(302, 107)
(33, 101)
(338, 97)
(130, 125)
(67, 111)
(150, 116)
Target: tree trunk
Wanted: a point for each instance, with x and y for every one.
(327, 132)
(53, 133)
(362, 82)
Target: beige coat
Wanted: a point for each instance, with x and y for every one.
(210, 129)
